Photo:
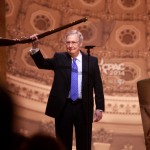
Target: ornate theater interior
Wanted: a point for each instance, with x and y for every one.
(120, 32)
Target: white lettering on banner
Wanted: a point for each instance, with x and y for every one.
(112, 69)
(120, 81)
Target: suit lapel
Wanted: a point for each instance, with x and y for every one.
(84, 69)
(68, 71)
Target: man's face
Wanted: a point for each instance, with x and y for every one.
(73, 45)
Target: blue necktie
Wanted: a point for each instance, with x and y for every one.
(74, 81)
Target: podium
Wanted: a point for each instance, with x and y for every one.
(143, 88)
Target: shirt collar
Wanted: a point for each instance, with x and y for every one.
(79, 57)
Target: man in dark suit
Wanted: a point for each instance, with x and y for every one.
(69, 112)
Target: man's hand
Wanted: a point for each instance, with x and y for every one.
(35, 42)
(98, 115)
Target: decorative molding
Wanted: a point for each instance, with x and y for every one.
(128, 35)
(102, 136)
(28, 89)
(42, 21)
(35, 94)
(9, 7)
(122, 105)
(90, 3)
(47, 127)
(126, 5)
(128, 147)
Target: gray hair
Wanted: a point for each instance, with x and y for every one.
(79, 34)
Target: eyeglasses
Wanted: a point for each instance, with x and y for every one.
(71, 42)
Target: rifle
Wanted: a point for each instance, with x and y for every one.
(9, 42)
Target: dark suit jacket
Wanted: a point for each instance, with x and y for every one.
(61, 64)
